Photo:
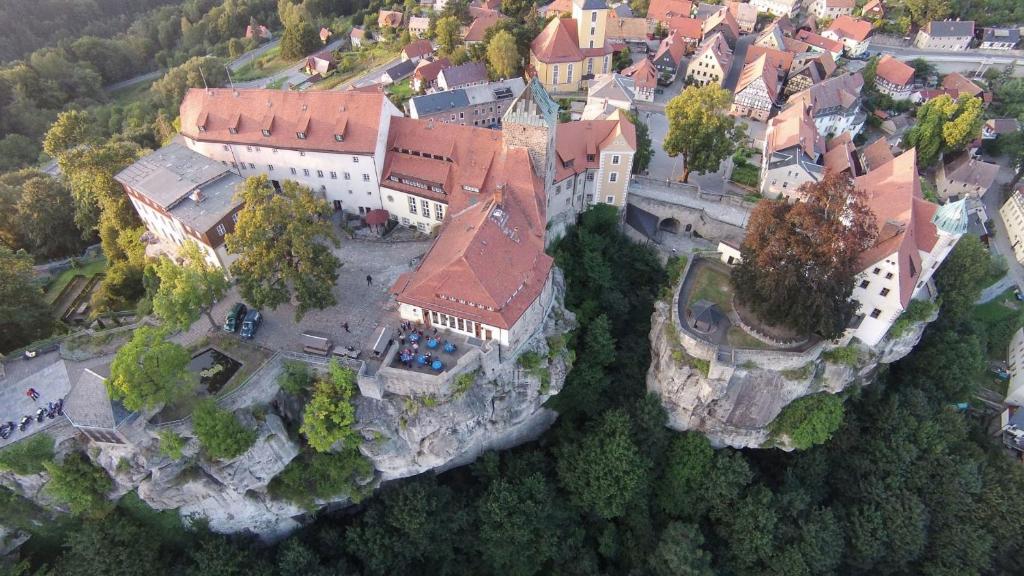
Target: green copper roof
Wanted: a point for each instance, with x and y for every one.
(951, 218)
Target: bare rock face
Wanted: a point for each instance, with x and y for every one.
(254, 469)
(735, 405)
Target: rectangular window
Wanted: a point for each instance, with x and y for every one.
(355, 159)
(613, 177)
(294, 171)
(252, 166)
(593, 18)
(334, 175)
(248, 148)
(876, 313)
(884, 292)
(226, 148)
(320, 173)
(305, 171)
(590, 176)
(438, 212)
(888, 275)
(615, 159)
(348, 176)
(568, 73)
(234, 217)
(366, 177)
(270, 167)
(300, 135)
(426, 208)
(864, 283)
(302, 152)
(876, 270)
(221, 230)
(610, 200)
(412, 205)
(554, 80)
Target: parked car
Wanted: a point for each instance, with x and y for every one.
(251, 324)
(235, 317)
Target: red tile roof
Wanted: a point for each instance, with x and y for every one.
(819, 41)
(874, 7)
(781, 61)
(557, 8)
(794, 127)
(725, 19)
(674, 45)
(643, 73)
(894, 71)
(284, 113)
(902, 218)
(427, 71)
(389, 18)
(480, 25)
(689, 28)
(876, 154)
(853, 28)
(557, 42)
(759, 68)
(577, 140)
(956, 85)
(663, 10)
(418, 49)
(488, 262)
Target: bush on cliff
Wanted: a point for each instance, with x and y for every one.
(222, 436)
(809, 420)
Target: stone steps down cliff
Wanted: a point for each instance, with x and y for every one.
(403, 436)
(735, 405)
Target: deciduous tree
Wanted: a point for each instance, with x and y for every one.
(447, 33)
(220, 433)
(799, 260)
(280, 239)
(80, 485)
(502, 55)
(330, 414)
(150, 370)
(188, 289)
(46, 216)
(644, 147)
(24, 315)
(700, 130)
(944, 125)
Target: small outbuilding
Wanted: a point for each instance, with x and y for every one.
(704, 316)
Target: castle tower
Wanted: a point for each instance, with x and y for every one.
(531, 122)
(591, 18)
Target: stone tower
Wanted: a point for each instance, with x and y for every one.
(531, 122)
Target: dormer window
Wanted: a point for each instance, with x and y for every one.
(590, 157)
(232, 130)
(300, 135)
(339, 138)
(266, 133)
(202, 128)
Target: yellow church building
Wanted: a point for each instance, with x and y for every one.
(571, 50)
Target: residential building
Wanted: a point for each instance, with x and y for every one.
(711, 62)
(793, 154)
(418, 26)
(645, 79)
(325, 35)
(854, 34)
(606, 94)
(1012, 213)
(830, 9)
(945, 35)
(788, 8)
(756, 91)
(330, 141)
(478, 28)
(1000, 38)
(776, 33)
(594, 163)
(819, 43)
(811, 72)
(389, 19)
(874, 9)
(834, 104)
(894, 78)
(417, 50)
(183, 196)
(1015, 365)
(690, 30)
(261, 32)
(913, 238)
(621, 10)
(956, 85)
(358, 36)
(664, 10)
(481, 105)
(462, 76)
(964, 176)
(722, 22)
(705, 10)
(631, 30)
(745, 15)
(778, 60)
(556, 9)
(669, 57)
(399, 72)
(424, 77)
(570, 50)
(321, 64)
(876, 154)
(995, 127)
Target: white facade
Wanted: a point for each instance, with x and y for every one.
(1012, 214)
(840, 122)
(412, 210)
(777, 7)
(173, 232)
(852, 46)
(823, 11)
(1015, 362)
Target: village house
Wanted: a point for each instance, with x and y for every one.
(398, 72)
(606, 94)
(894, 78)
(570, 50)
(778, 60)
(555, 9)
(945, 35)
(424, 77)
(417, 50)
(389, 19)
(788, 8)
(325, 35)
(876, 154)
(418, 26)
(645, 79)
(183, 196)
(807, 74)
(957, 85)
(854, 34)
(722, 22)
(629, 30)
(322, 64)
(963, 176)
(834, 104)
(481, 105)
(745, 15)
(462, 76)
(757, 90)
(665, 10)
(793, 154)
(830, 9)
(819, 43)
(477, 30)
(358, 37)
(1012, 213)
(669, 57)
(711, 62)
(261, 32)
(593, 164)
(690, 30)
(1000, 38)
(874, 9)
(995, 127)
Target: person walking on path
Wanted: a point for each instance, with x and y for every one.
(345, 326)
(369, 280)
(31, 393)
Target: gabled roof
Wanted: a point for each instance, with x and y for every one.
(557, 8)
(687, 27)
(1002, 125)
(427, 70)
(902, 218)
(777, 59)
(480, 25)
(794, 127)
(418, 48)
(463, 74)
(674, 46)
(893, 71)
(663, 10)
(956, 85)
(950, 28)
(759, 69)
(705, 10)
(874, 6)
(401, 70)
(876, 154)
(627, 28)
(611, 87)
(575, 141)
(718, 48)
(419, 22)
(428, 104)
(643, 73)
(557, 42)
(840, 158)
(389, 18)
(1011, 35)
(965, 169)
(849, 27)
(819, 41)
(840, 92)
(725, 19)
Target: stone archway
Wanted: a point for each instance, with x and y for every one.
(670, 225)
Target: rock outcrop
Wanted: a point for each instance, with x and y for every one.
(734, 405)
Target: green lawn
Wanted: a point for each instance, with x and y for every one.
(999, 320)
(132, 93)
(746, 174)
(713, 286)
(268, 63)
(738, 338)
(1002, 307)
(88, 270)
(400, 92)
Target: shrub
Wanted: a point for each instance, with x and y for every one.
(674, 267)
(330, 415)
(296, 377)
(846, 355)
(800, 373)
(918, 311)
(529, 360)
(27, 456)
(80, 485)
(809, 420)
(171, 444)
(221, 434)
(316, 475)
(464, 382)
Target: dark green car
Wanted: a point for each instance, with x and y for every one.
(235, 317)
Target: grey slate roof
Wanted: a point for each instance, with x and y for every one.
(88, 404)
(437, 102)
(401, 70)
(464, 73)
(950, 28)
(1011, 35)
(594, 5)
(623, 11)
(471, 95)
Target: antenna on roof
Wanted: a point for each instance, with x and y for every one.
(231, 82)
(205, 87)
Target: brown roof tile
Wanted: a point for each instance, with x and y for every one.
(849, 27)
(894, 71)
(663, 10)
(643, 73)
(557, 42)
(956, 85)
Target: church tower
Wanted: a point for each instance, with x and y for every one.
(591, 18)
(531, 122)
